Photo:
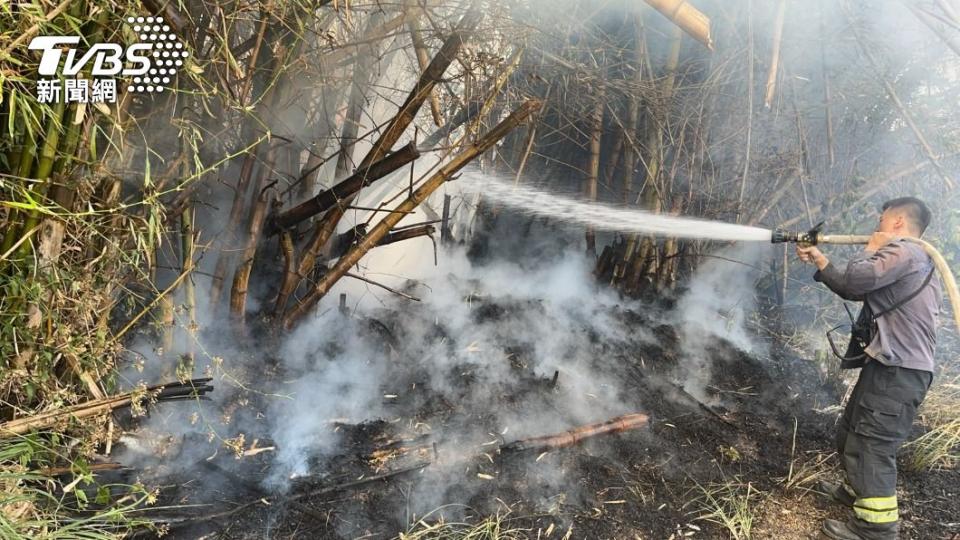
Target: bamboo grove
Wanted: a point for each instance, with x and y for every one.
(231, 189)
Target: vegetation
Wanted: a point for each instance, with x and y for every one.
(149, 217)
(731, 504)
(939, 446)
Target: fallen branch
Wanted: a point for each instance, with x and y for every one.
(163, 392)
(381, 229)
(571, 437)
(382, 286)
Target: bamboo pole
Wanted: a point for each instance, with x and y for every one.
(371, 239)
(405, 115)
(258, 214)
(44, 166)
(233, 223)
(352, 118)
(744, 178)
(344, 190)
(687, 17)
(421, 91)
(424, 61)
(775, 54)
(21, 426)
(631, 155)
(593, 168)
(827, 99)
(186, 266)
(571, 437)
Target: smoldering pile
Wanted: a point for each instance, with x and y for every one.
(376, 414)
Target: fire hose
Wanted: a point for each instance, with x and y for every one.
(814, 236)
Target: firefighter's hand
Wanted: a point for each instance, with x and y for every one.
(812, 255)
(880, 239)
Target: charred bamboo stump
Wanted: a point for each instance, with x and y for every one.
(344, 190)
(381, 229)
(619, 424)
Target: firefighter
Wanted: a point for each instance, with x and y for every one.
(892, 342)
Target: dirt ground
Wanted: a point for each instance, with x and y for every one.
(745, 462)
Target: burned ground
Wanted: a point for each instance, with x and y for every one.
(759, 436)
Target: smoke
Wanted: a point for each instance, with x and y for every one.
(717, 304)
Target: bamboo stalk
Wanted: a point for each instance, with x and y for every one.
(233, 223)
(775, 54)
(687, 17)
(424, 61)
(94, 407)
(827, 99)
(258, 214)
(351, 121)
(289, 273)
(421, 91)
(345, 190)
(381, 229)
(45, 162)
(527, 148)
(186, 266)
(593, 167)
(744, 178)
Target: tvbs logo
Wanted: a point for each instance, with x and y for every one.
(147, 66)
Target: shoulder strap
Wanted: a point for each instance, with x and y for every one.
(909, 297)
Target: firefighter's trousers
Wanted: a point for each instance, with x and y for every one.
(875, 423)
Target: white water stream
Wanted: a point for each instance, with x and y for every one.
(603, 216)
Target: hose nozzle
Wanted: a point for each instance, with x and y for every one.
(810, 237)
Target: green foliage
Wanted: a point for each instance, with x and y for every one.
(36, 504)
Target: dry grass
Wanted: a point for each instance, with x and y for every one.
(940, 414)
(496, 527)
(731, 504)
